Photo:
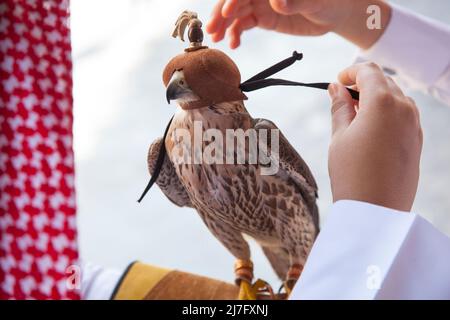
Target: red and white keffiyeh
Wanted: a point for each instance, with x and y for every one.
(37, 196)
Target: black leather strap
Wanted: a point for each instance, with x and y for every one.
(261, 80)
(276, 67)
(159, 162)
(262, 83)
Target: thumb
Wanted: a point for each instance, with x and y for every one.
(342, 107)
(288, 7)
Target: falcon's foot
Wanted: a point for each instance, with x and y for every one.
(292, 276)
(259, 290)
(247, 291)
(243, 270)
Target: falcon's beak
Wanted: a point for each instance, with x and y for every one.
(174, 91)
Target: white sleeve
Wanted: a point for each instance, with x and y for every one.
(98, 283)
(370, 252)
(417, 50)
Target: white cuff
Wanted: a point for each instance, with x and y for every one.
(98, 283)
(414, 46)
(370, 252)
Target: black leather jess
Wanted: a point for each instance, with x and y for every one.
(261, 80)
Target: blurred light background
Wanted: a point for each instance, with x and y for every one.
(120, 49)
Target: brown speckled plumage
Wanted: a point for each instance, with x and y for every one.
(278, 211)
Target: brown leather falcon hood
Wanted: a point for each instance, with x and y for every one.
(210, 73)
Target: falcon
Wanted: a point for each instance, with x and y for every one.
(235, 201)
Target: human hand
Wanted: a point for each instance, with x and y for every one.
(297, 17)
(375, 152)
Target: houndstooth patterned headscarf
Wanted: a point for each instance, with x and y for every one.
(37, 196)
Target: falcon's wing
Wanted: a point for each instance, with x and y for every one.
(168, 180)
(295, 167)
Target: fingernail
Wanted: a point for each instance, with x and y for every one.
(226, 11)
(283, 4)
(332, 89)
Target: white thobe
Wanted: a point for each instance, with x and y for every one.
(370, 252)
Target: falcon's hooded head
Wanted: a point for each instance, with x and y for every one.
(201, 77)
